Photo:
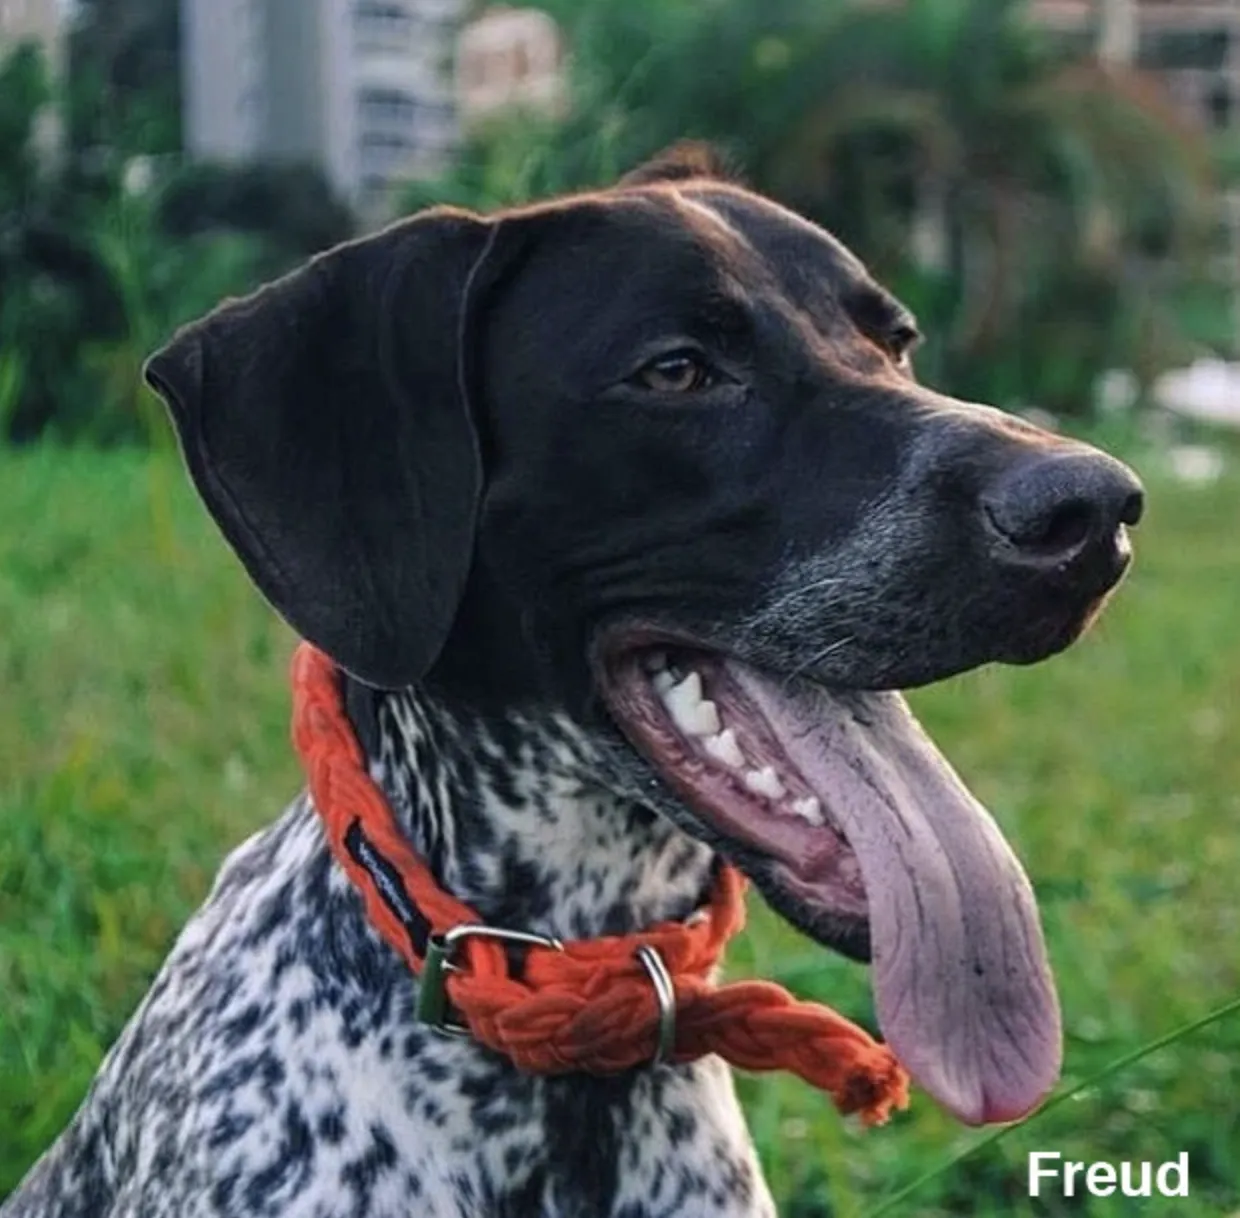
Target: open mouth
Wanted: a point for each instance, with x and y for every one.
(855, 826)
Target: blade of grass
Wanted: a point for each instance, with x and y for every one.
(1120, 1063)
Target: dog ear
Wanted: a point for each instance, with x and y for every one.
(682, 161)
(325, 423)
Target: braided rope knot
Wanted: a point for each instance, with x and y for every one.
(587, 1005)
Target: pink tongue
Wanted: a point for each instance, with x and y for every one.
(964, 993)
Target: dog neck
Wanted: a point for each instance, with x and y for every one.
(508, 810)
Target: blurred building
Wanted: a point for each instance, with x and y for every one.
(39, 21)
(1193, 47)
(42, 22)
(362, 88)
(510, 58)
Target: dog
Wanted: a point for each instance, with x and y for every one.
(624, 517)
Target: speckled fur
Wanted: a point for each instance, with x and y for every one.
(275, 1067)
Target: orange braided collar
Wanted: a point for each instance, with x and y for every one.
(593, 1006)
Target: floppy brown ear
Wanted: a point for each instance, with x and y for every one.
(682, 161)
(324, 421)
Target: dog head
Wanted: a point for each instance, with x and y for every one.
(655, 456)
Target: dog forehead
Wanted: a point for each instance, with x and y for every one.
(674, 242)
(598, 277)
(624, 237)
(793, 249)
(582, 281)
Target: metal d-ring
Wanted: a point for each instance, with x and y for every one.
(432, 1004)
(665, 992)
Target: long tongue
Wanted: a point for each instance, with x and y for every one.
(963, 989)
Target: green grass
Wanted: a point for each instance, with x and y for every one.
(143, 727)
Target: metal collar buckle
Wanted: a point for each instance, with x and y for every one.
(432, 1005)
(665, 992)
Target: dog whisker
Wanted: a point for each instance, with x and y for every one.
(817, 658)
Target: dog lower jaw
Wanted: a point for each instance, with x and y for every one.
(788, 846)
(894, 842)
(720, 757)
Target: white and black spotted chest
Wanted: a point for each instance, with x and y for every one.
(277, 1067)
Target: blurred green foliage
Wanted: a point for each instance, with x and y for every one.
(109, 243)
(147, 734)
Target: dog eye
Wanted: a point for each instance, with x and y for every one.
(902, 342)
(677, 372)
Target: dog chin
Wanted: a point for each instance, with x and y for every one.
(1051, 637)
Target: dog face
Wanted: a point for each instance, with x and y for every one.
(655, 457)
(716, 431)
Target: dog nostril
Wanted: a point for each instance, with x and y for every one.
(1058, 531)
(1133, 509)
(1063, 529)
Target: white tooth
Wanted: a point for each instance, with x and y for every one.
(690, 689)
(723, 747)
(764, 782)
(809, 809)
(690, 712)
(682, 702)
(663, 682)
(703, 719)
(655, 661)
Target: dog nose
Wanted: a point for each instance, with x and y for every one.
(1055, 509)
